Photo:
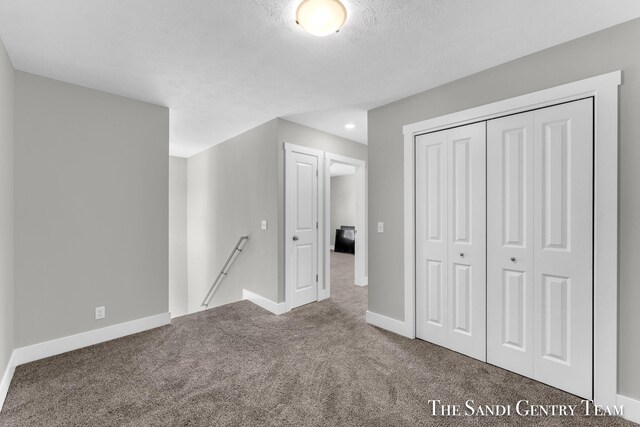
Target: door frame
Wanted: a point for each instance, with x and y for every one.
(604, 90)
(360, 219)
(288, 289)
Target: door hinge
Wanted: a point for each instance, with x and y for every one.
(316, 172)
(316, 277)
(316, 225)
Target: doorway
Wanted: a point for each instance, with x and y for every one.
(341, 211)
(345, 253)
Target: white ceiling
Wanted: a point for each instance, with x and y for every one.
(226, 66)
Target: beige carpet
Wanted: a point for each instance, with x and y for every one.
(239, 365)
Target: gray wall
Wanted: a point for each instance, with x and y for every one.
(6, 209)
(608, 50)
(177, 236)
(293, 133)
(343, 203)
(231, 188)
(91, 209)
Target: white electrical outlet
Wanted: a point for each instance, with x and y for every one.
(381, 227)
(264, 224)
(100, 313)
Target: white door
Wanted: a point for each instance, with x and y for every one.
(510, 243)
(301, 238)
(450, 239)
(540, 206)
(563, 246)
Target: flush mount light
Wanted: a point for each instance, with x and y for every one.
(321, 17)
(349, 126)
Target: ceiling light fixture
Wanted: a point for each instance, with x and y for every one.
(321, 17)
(349, 126)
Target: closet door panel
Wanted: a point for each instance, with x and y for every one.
(563, 201)
(431, 238)
(451, 239)
(467, 240)
(510, 243)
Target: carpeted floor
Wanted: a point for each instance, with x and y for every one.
(240, 365)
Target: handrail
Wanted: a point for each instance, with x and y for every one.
(223, 273)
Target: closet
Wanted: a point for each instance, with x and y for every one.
(504, 242)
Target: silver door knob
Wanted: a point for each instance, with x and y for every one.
(513, 259)
(461, 254)
(296, 238)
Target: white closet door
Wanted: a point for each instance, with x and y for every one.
(539, 256)
(510, 243)
(563, 218)
(467, 240)
(431, 238)
(450, 241)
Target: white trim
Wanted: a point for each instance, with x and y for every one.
(85, 339)
(6, 379)
(332, 248)
(57, 346)
(303, 150)
(631, 408)
(397, 326)
(542, 98)
(604, 89)
(360, 221)
(293, 148)
(276, 308)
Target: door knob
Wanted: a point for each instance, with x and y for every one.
(461, 254)
(296, 238)
(513, 259)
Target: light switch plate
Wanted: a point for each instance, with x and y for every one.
(381, 227)
(264, 224)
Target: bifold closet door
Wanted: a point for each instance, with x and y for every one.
(510, 243)
(451, 239)
(539, 246)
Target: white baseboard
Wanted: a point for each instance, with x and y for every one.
(384, 322)
(332, 247)
(323, 295)
(6, 379)
(45, 349)
(631, 408)
(267, 304)
(62, 345)
(362, 282)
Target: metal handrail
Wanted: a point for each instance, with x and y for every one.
(223, 273)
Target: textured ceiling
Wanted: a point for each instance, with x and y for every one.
(226, 66)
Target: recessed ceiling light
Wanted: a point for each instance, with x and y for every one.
(349, 126)
(321, 17)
